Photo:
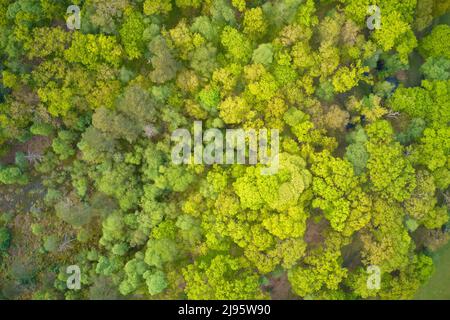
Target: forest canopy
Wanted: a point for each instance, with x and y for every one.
(87, 178)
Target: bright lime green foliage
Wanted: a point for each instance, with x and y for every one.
(233, 110)
(12, 175)
(188, 3)
(157, 7)
(255, 25)
(338, 194)
(391, 175)
(436, 68)
(430, 102)
(436, 43)
(90, 125)
(279, 191)
(236, 44)
(93, 49)
(323, 271)
(160, 252)
(223, 277)
(5, 239)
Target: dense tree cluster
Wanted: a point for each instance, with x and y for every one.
(86, 118)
